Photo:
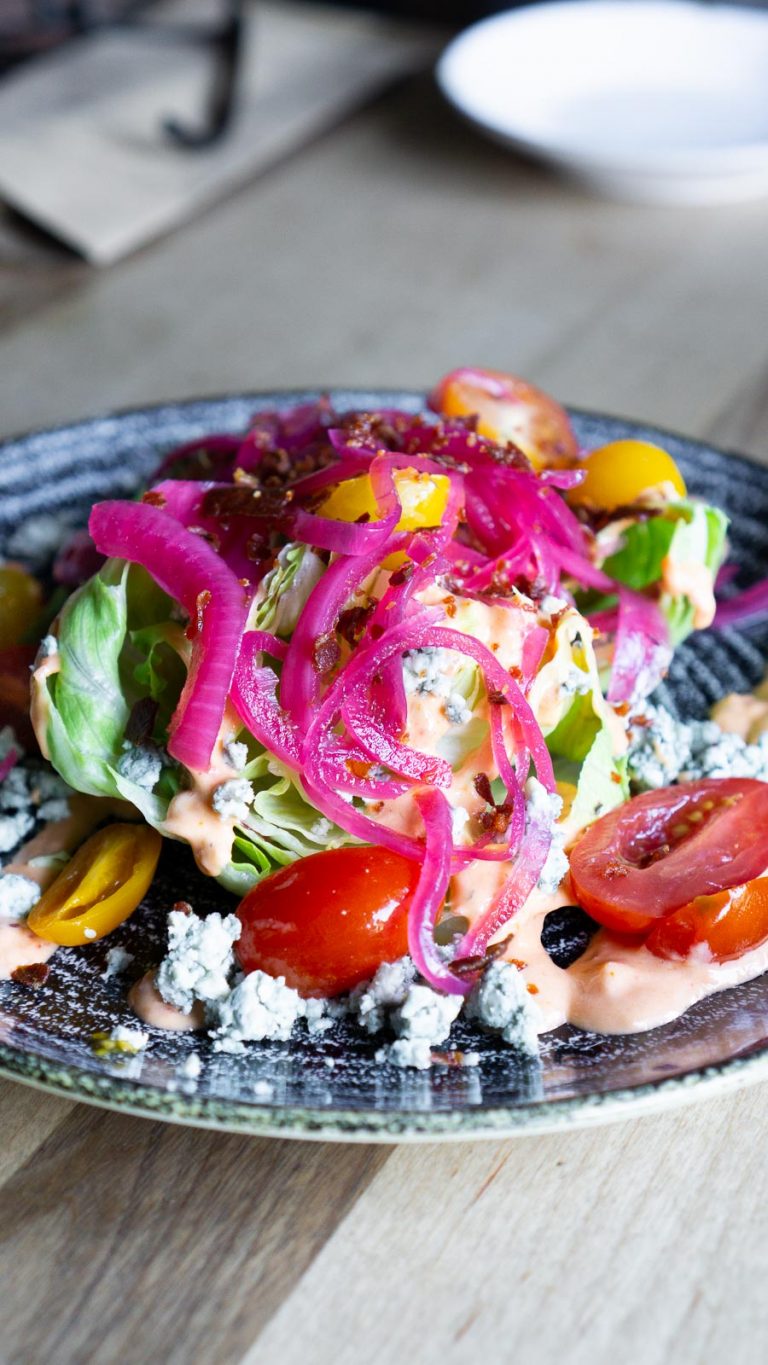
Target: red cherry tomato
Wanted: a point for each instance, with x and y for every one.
(663, 849)
(725, 925)
(328, 921)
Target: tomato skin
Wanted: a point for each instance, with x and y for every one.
(509, 409)
(99, 887)
(661, 850)
(620, 473)
(726, 925)
(322, 923)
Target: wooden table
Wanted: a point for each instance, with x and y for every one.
(386, 253)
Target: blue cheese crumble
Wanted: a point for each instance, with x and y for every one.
(141, 764)
(260, 1007)
(456, 709)
(426, 671)
(236, 754)
(129, 1039)
(501, 1003)
(118, 961)
(544, 808)
(14, 829)
(199, 961)
(232, 800)
(663, 750)
(17, 896)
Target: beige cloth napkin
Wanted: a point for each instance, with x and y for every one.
(82, 152)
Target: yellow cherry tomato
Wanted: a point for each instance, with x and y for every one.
(100, 887)
(423, 497)
(620, 473)
(20, 600)
(510, 409)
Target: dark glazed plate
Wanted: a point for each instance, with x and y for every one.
(329, 1086)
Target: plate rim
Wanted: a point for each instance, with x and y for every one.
(338, 1124)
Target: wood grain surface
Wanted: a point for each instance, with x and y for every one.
(387, 252)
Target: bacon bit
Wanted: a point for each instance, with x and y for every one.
(357, 767)
(244, 583)
(621, 708)
(244, 500)
(325, 653)
(468, 966)
(194, 628)
(182, 907)
(210, 536)
(154, 498)
(532, 989)
(34, 974)
(403, 574)
(497, 698)
(496, 820)
(376, 807)
(450, 606)
(509, 454)
(616, 871)
(640, 720)
(141, 721)
(453, 1058)
(615, 777)
(352, 623)
(515, 673)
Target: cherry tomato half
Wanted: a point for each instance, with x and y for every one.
(663, 849)
(618, 474)
(101, 886)
(509, 409)
(726, 925)
(328, 921)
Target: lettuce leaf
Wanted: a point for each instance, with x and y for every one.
(101, 676)
(284, 590)
(686, 532)
(601, 783)
(119, 644)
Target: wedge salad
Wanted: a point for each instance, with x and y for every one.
(388, 676)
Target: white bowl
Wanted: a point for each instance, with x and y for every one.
(656, 100)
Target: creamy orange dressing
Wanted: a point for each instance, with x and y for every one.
(19, 947)
(191, 816)
(146, 1001)
(694, 581)
(743, 714)
(615, 986)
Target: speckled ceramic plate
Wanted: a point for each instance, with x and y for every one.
(330, 1087)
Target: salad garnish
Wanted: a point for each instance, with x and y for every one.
(387, 673)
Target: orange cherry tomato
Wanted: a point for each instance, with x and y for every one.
(21, 598)
(620, 473)
(328, 921)
(661, 850)
(100, 887)
(726, 925)
(509, 409)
